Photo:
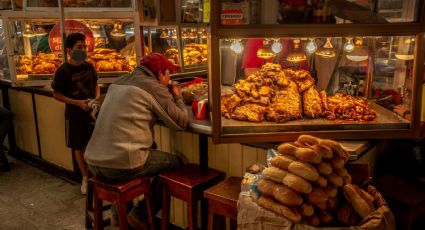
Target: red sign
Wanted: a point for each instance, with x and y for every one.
(71, 26)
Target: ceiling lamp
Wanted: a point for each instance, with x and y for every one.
(193, 34)
(173, 34)
(327, 50)
(359, 53)
(311, 46)
(40, 31)
(236, 46)
(117, 31)
(297, 55)
(405, 52)
(28, 32)
(349, 46)
(185, 34)
(204, 34)
(265, 52)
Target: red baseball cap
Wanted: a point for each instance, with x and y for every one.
(156, 62)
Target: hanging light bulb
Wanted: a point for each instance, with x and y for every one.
(265, 52)
(204, 34)
(276, 46)
(359, 52)
(327, 50)
(193, 34)
(173, 34)
(405, 52)
(40, 31)
(164, 34)
(236, 46)
(297, 55)
(185, 34)
(118, 31)
(28, 32)
(94, 26)
(311, 46)
(349, 46)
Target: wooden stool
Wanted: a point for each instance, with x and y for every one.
(406, 200)
(222, 200)
(118, 193)
(188, 184)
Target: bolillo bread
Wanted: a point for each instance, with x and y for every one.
(317, 196)
(297, 183)
(303, 170)
(309, 139)
(335, 179)
(287, 149)
(337, 163)
(306, 209)
(322, 182)
(308, 155)
(282, 162)
(324, 168)
(266, 186)
(274, 174)
(360, 205)
(270, 204)
(324, 151)
(287, 196)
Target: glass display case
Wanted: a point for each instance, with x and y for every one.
(4, 66)
(354, 81)
(187, 43)
(34, 43)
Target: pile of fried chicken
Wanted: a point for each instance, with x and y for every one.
(279, 95)
(109, 60)
(42, 63)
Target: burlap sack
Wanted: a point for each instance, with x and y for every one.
(253, 217)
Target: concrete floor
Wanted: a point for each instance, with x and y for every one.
(33, 199)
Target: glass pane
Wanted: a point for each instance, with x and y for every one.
(81, 3)
(192, 11)
(163, 40)
(32, 52)
(325, 83)
(194, 42)
(4, 67)
(319, 11)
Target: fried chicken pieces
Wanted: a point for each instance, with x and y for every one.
(277, 95)
(109, 60)
(42, 63)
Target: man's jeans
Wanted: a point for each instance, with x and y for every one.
(156, 163)
(5, 123)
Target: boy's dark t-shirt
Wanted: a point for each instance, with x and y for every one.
(76, 82)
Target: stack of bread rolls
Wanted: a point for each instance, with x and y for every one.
(307, 183)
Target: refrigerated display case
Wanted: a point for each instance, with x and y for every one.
(34, 43)
(80, 5)
(342, 81)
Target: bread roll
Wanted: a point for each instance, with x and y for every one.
(347, 179)
(331, 191)
(287, 149)
(306, 209)
(266, 187)
(308, 139)
(317, 196)
(341, 172)
(297, 183)
(335, 146)
(309, 155)
(322, 182)
(324, 168)
(282, 162)
(274, 174)
(313, 220)
(270, 204)
(287, 196)
(335, 180)
(324, 151)
(301, 144)
(360, 205)
(303, 170)
(321, 206)
(366, 196)
(337, 163)
(325, 217)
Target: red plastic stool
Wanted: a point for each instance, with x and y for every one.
(188, 184)
(222, 202)
(118, 193)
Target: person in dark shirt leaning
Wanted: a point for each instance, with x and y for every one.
(75, 83)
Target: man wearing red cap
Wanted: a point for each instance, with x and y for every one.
(120, 147)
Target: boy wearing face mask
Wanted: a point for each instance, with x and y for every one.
(75, 83)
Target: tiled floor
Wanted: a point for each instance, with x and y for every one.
(33, 199)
